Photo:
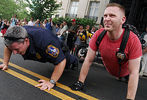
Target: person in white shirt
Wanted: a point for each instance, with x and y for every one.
(31, 23)
(14, 20)
(62, 34)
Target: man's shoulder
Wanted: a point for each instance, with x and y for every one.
(98, 32)
(133, 35)
(134, 40)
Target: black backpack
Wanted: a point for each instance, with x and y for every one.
(120, 54)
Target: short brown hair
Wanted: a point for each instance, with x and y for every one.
(122, 8)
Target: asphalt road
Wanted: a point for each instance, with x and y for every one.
(17, 83)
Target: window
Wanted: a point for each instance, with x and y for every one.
(93, 9)
(74, 7)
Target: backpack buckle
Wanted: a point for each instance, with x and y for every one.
(120, 55)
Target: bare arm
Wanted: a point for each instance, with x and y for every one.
(7, 55)
(133, 78)
(86, 65)
(41, 25)
(58, 70)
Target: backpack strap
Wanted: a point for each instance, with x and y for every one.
(125, 39)
(121, 54)
(100, 37)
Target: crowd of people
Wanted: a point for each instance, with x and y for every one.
(53, 38)
(74, 34)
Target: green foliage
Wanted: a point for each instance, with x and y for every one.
(10, 7)
(85, 21)
(7, 9)
(42, 9)
(22, 12)
(79, 21)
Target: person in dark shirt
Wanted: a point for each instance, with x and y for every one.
(35, 43)
(71, 35)
(4, 27)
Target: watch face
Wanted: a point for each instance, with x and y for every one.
(52, 81)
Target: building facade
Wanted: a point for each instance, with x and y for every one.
(136, 10)
(92, 9)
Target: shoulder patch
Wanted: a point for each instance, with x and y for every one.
(52, 51)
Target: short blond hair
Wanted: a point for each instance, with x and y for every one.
(122, 8)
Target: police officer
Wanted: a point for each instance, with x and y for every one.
(41, 45)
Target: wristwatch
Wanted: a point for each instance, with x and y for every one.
(52, 81)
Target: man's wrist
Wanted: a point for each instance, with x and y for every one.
(52, 81)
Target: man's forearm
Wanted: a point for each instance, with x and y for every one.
(132, 86)
(7, 55)
(58, 70)
(86, 65)
(84, 70)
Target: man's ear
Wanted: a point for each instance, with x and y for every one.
(123, 19)
(27, 41)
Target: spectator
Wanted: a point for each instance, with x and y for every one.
(38, 24)
(144, 51)
(63, 30)
(92, 31)
(72, 35)
(31, 22)
(100, 26)
(49, 24)
(78, 40)
(5, 26)
(58, 27)
(19, 23)
(24, 22)
(45, 23)
(13, 20)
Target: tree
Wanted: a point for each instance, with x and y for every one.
(22, 11)
(7, 9)
(41, 9)
(79, 21)
(10, 7)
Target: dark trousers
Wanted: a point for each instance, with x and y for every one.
(70, 59)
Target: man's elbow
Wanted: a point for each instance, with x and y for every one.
(88, 59)
(134, 73)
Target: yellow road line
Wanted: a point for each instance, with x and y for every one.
(83, 95)
(33, 82)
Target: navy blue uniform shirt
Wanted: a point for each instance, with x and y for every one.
(44, 46)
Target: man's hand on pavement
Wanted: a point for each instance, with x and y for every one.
(77, 86)
(3, 66)
(45, 85)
